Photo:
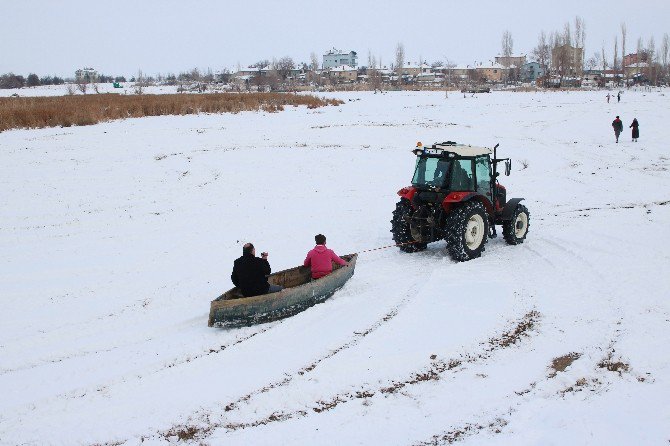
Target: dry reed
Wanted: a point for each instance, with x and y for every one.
(66, 111)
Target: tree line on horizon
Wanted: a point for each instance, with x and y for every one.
(552, 52)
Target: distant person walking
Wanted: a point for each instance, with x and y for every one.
(617, 125)
(618, 97)
(636, 129)
(608, 98)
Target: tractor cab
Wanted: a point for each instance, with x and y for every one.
(453, 167)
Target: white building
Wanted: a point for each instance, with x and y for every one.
(87, 74)
(335, 58)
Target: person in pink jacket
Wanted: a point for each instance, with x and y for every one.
(320, 258)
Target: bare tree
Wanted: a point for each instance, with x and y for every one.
(560, 53)
(594, 61)
(449, 66)
(567, 34)
(651, 59)
(399, 60)
(623, 39)
(82, 83)
(615, 60)
(374, 76)
(583, 42)
(284, 67)
(507, 47)
(314, 62)
(604, 58)
(139, 83)
(541, 52)
(209, 76)
(580, 38)
(665, 49)
(552, 48)
(263, 63)
(507, 44)
(578, 32)
(639, 54)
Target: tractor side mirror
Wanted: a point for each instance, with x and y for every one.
(508, 167)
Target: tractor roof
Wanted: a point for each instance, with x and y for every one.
(458, 149)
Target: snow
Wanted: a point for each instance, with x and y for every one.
(62, 90)
(115, 237)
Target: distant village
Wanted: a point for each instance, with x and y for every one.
(557, 66)
(565, 68)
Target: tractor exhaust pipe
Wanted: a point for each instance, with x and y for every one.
(494, 190)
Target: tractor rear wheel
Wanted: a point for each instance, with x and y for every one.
(467, 228)
(400, 227)
(516, 229)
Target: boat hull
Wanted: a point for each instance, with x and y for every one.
(231, 309)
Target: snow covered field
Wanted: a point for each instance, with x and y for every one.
(115, 237)
(62, 90)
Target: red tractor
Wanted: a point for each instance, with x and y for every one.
(455, 196)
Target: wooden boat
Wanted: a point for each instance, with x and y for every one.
(299, 293)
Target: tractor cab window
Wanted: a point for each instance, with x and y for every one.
(461, 175)
(483, 172)
(430, 172)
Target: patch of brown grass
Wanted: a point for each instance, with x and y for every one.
(66, 111)
(563, 362)
(614, 366)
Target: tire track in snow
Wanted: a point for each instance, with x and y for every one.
(464, 431)
(83, 330)
(602, 356)
(82, 392)
(183, 432)
(520, 329)
(532, 391)
(357, 337)
(614, 207)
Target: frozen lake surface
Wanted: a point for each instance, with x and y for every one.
(115, 237)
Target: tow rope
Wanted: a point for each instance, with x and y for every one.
(385, 247)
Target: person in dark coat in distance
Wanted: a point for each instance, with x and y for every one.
(250, 273)
(636, 129)
(617, 125)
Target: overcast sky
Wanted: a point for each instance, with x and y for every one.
(119, 37)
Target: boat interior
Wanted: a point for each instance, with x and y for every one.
(289, 278)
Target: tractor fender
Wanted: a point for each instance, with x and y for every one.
(461, 197)
(407, 192)
(509, 208)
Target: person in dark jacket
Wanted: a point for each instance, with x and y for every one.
(250, 273)
(636, 129)
(617, 125)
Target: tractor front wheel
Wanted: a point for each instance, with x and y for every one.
(516, 229)
(467, 230)
(400, 228)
